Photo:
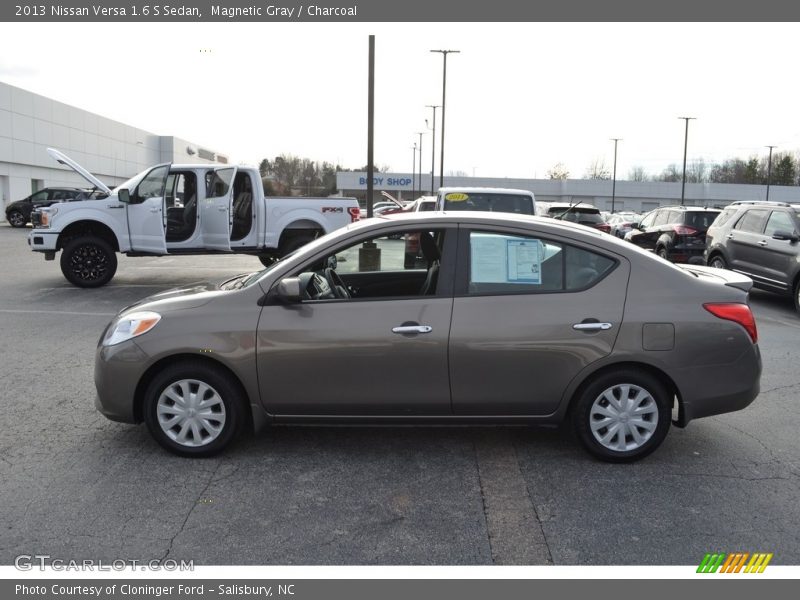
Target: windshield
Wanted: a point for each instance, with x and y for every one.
(493, 202)
(131, 184)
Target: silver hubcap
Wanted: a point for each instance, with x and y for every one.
(191, 413)
(623, 417)
(717, 263)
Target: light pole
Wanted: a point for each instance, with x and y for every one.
(414, 173)
(769, 169)
(685, 146)
(444, 54)
(614, 178)
(419, 187)
(433, 141)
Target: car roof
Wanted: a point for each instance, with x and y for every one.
(689, 208)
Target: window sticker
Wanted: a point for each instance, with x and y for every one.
(505, 259)
(456, 197)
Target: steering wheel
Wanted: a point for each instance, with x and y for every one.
(338, 287)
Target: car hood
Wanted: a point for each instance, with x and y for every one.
(66, 160)
(722, 276)
(191, 296)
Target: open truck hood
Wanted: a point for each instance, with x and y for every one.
(66, 160)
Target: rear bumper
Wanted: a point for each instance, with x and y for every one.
(713, 390)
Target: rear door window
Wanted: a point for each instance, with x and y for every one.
(752, 221)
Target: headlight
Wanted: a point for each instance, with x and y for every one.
(130, 326)
(47, 216)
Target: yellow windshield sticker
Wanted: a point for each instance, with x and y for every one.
(456, 197)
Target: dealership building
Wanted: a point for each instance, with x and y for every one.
(637, 196)
(113, 151)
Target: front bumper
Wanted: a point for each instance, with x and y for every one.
(43, 240)
(117, 372)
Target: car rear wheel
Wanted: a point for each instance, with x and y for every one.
(622, 415)
(662, 252)
(16, 219)
(717, 262)
(88, 262)
(194, 409)
(797, 295)
(293, 243)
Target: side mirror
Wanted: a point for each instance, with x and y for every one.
(781, 234)
(124, 195)
(288, 290)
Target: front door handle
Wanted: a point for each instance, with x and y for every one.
(222, 208)
(592, 326)
(155, 210)
(762, 243)
(412, 329)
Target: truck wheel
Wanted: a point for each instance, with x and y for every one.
(16, 219)
(293, 243)
(88, 262)
(267, 259)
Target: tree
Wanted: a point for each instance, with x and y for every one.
(637, 173)
(558, 171)
(751, 171)
(784, 169)
(265, 167)
(597, 170)
(697, 171)
(671, 173)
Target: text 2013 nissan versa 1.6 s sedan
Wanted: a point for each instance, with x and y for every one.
(513, 319)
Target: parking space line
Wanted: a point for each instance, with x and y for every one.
(516, 536)
(56, 312)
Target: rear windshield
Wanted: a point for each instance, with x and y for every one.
(425, 206)
(701, 220)
(576, 215)
(508, 203)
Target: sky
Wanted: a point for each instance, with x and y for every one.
(521, 97)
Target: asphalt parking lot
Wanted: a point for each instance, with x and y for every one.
(77, 486)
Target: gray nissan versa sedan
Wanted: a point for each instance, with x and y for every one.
(510, 319)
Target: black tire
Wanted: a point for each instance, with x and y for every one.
(267, 260)
(291, 244)
(717, 261)
(796, 294)
(224, 390)
(662, 252)
(88, 261)
(592, 398)
(16, 219)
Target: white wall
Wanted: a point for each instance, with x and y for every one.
(113, 151)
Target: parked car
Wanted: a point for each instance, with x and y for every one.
(19, 213)
(675, 233)
(759, 239)
(581, 212)
(621, 223)
(514, 319)
(521, 202)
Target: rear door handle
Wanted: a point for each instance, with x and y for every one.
(155, 210)
(222, 208)
(729, 236)
(592, 326)
(762, 243)
(412, 329)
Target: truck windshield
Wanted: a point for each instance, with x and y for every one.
(493, 202)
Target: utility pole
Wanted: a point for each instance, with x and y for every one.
(444, 54)
(419, 187)
(685, 146)
(769, 169)
(414, 172)
(614, 178)
(433, 142)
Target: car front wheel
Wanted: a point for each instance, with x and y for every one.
(16, 219)
(797, 296)
(194, 409)
(622, 415)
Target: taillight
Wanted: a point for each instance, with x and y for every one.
(684, 230)
(355, 214)
(603, 227)
(738, 313)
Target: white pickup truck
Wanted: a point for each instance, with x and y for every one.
(174, 209)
